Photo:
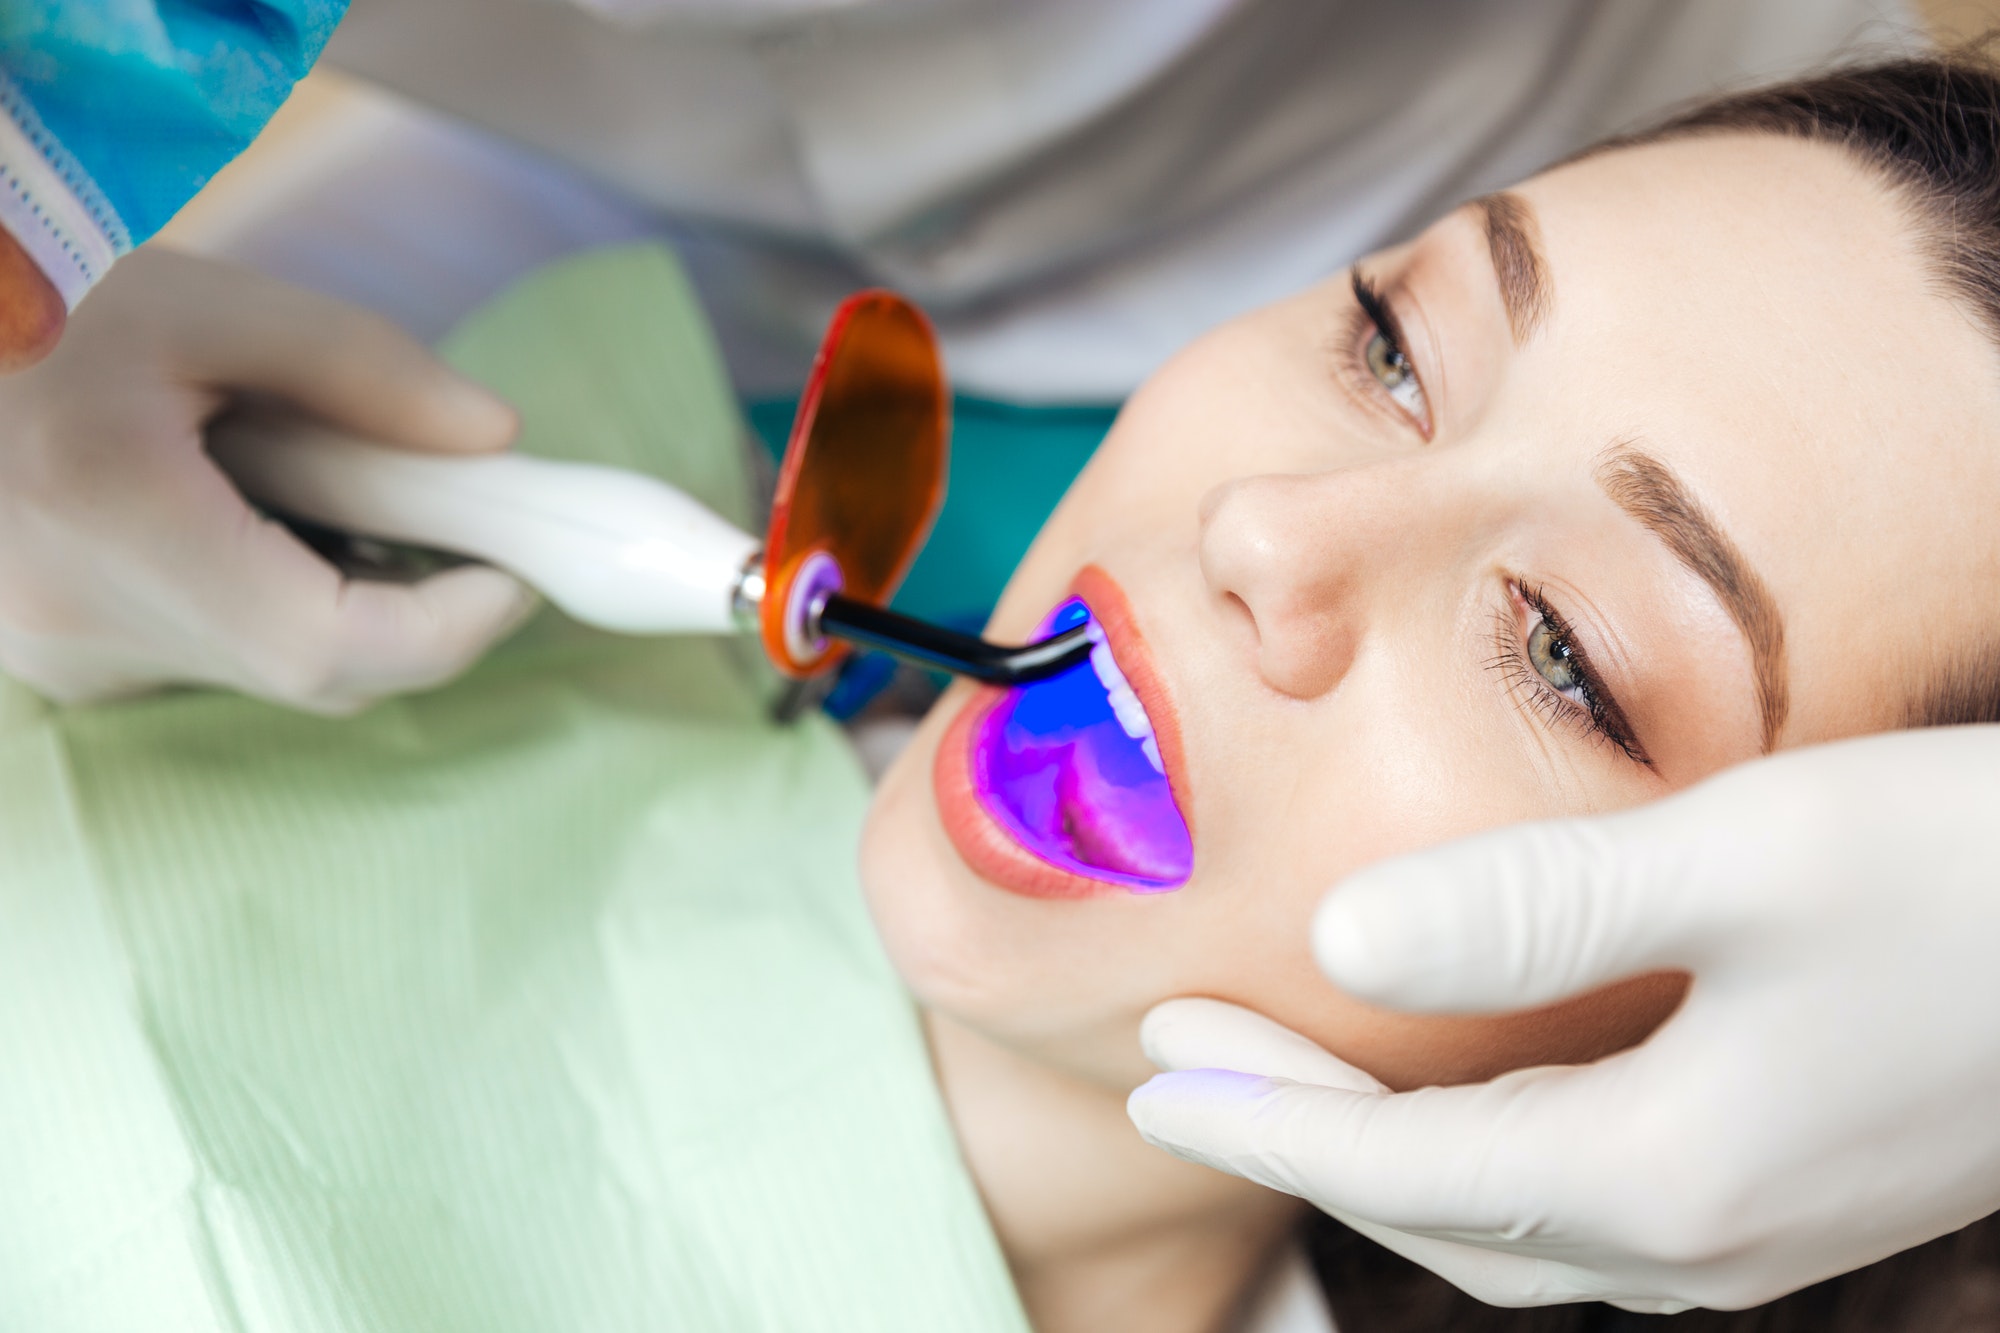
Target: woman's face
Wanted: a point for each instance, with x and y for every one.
(1668, 458)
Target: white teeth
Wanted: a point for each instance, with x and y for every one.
(1125, 705)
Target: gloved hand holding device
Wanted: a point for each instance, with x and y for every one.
(1828, 1094)
(127, 560)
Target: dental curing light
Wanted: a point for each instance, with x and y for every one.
(862, 481)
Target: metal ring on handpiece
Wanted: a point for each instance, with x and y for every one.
(746, 599)
(818, 578)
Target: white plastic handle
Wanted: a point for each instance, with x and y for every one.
(615, 549)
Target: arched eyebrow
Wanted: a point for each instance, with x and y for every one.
(1648, 490)
(1513, 239)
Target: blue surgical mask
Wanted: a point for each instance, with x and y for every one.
(113, 113)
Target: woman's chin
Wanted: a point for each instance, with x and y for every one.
(1018, 970)
(916, 885)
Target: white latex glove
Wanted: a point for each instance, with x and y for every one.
(128, 561)
(1829, 1093)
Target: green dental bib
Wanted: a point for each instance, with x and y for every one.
(542, 1002)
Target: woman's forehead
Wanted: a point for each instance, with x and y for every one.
(1761, 313)
(1794, 246)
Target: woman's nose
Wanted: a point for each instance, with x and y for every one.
(1290, 555)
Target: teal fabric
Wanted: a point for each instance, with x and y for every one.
(545, 1001)
(1009, 467)
(136, 103)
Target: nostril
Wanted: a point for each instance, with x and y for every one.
(1238, 611)
(1293, 558)
(1241, 609)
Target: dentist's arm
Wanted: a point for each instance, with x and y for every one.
(127, 560)
(1829, 1093)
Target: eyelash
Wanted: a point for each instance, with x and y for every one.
(1374, 317)
(1597, 714)
(1599, 717)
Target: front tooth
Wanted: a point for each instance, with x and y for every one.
(1125, 705)
(1108, 674)
(1131, 715)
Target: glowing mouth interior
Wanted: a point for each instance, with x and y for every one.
(1070, 767)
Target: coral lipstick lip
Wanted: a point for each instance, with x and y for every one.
(985, 846)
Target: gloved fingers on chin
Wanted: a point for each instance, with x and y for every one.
(1292, 1137)
(1195, 1032)
(378, 639)
(1485, 1159)
(1210, 1117)
(1497, 1273)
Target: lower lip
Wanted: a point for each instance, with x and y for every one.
(980, 840)
(985, 847)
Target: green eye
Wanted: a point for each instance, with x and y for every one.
(1555, 661)
(1393, 371)
(1388, 363)
(1385, 358)
(1563, 688)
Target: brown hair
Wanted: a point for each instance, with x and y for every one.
(1931, 127)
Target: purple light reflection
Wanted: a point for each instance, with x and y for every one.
(1055, 769)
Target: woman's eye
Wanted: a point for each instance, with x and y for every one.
(1393, 371)
(1563, 687)
(1388, 364)
(1555, 661)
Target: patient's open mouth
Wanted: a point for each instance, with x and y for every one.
(1071, 769)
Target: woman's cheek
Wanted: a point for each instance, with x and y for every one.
(902, 883)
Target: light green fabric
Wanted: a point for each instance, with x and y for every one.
(542, 1002)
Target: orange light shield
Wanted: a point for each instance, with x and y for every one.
(864, 472)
